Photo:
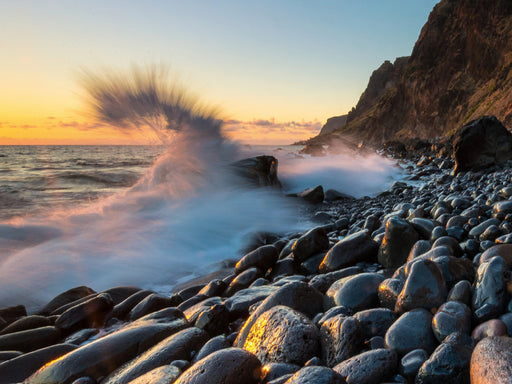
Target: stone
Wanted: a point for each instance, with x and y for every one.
(274, 371)
(243, 280)
(411, 331)
(480, 228)
(283, 335)
(88, 314)
(102, 356)
(227, 366)
(166, 315)
(411, 363)
(263, 258)
(355, 293)
(368, 367)
(214, 344)
(26, 322)
(388, 292)
(349, 251)
(501, 209)
(309, 244)
(19, 368)
(150, 303)
(296, 295)
(161, 375)
(450, 243)
(493, 327)
(214, 288)
(451, 317)
(179, 346)
(312, 195)
(449, 363)
(340, 339)
(481, 143)
(502, 250)
(213, 320)
(398, 240)
(322, 282)
(424, 288)
(121, 293)
(259, 171)
(461, 292)
(64, 298)
(30, 340)
(238, 305)
(490, 361)
(375, 322)
(489, 290)
(121, 310)
(316, 375)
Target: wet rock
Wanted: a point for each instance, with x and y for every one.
(214, 320)
(297, 295)
(88, 314)
(480, 228)
(81, 336)
(259, 171)
(322, 282)
(368, 367)
(27, 322)
(273, 371)
(30, 340)
(165, 315)
(179, 346)
(320, 375)
(334, 311)
(419, 248)
(283, 335)
(263, 258)
(355, 293)
(449, 363)
(450, 243)
(121, 293)
(461, 292)
(162, 375)
(455, 269)
(502, 250)
(451, 317)
(340, 339)
(240, 302)
(309, 244)
(481, 143)
(312, 195)
(411, 363)
(214, 344)
(423, 226)
(151, 303)
(102, 356)
(64, 298)
(489, 297)
(8, 355)
(399, 238)
(334, 195)
(493, 327)
(214, 288)
(21, 367)
(227, 366)
(193, 313)
(285, 267)
(490, 361)
(349, 251)
(243, 280)
(507, 319)
(388, 292)
(121, 310)
(411, 331)
(501, 209)
(375, 322)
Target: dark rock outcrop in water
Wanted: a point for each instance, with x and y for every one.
(459, 70)
(260, 171)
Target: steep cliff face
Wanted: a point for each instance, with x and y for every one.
(460, 69)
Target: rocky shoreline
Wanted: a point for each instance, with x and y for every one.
(410, 286)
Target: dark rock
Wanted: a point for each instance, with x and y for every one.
(375, 322)
(151, 303)
(481, 143)
(490, 361)
(30, 340)
(507, 319)
(455, 269)
(214, 344)
(121, 293)
(227, 366)
(355, 293)
(162, 375)
(388, 293)
(489, 297)
(423, 226)
(480, 228)
(324, 281)
(81, 336)
(451, 317)
(493, 327)
(243, 280)
(411, 331)
(502, 250)
(412, 362)
(449, 363)
(399, 238)
(259, 171)
(315, 375)
(419, 248)
(8, 355)
(334, 311)
(102, 356)
(214, 288)
(88, 314)
(263, 258)
(179, 346)
(189, 292)
(340, 339)
(424, 288)
(501, 209)
(309, 244)
(165, 315)
(213, 320)
(19, 368)
(239, 303)
(192, 313)
(450, 243)
(349, 251)
(27, 322)
(312, 195)
(285, 267)
(368, 367)
(283, 335)
(195, 300)
(273, 371)
(64, 298)
(334, 195)
(461, 292)
(122, 309)
(297, 295)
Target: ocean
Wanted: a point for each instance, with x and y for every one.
(151, 216)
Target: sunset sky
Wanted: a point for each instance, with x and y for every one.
(277, 69)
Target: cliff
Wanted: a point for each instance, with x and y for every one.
(460, 69)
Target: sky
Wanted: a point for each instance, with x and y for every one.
(276, 69)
